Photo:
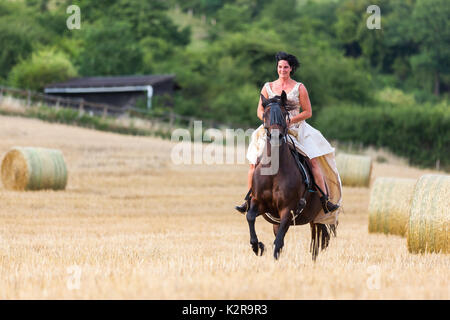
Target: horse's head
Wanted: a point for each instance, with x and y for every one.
(275, 112)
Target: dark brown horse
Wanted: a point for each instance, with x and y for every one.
(279, 191)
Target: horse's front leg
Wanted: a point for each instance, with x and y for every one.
(286, 218)
(258, 247)
(275, 229)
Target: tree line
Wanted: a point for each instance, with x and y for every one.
(222, 51)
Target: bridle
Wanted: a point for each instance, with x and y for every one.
(285, 129)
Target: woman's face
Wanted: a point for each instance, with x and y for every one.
(284, 69)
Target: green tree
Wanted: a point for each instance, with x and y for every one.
(109, 49)
(44, 67)
(349, 18)
(149, 19)
(432, 31)
(145, 18)
(20, 32)
(233, 17)
(360, 41)
(16, 44)
(398, 39)
(41, 5)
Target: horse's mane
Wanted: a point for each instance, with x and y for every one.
(288, 105)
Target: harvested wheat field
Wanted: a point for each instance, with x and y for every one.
(132, 225)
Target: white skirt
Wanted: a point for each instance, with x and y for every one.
(311, 143)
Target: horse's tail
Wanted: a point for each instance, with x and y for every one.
(320, 237)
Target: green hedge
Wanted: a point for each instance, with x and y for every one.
(419, 133)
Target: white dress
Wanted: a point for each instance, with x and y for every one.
(311, 143)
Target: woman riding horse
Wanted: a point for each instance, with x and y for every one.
(308, 141)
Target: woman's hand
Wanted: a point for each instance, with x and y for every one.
(291, 121)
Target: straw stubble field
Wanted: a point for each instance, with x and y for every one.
(131, 225)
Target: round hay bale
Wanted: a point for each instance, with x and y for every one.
(27, 168)
(390, 204)
(429, 219)
(354, 170)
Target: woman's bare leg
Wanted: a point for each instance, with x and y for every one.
(250, 176)
(320, 181)
(318, 176)
(244, 207)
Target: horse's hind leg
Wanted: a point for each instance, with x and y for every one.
(258, 247)
(320, 238)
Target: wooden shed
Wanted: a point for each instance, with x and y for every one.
(120, 91)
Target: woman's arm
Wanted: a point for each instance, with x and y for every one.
(305, 104)
(260, 110)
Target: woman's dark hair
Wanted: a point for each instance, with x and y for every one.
(291, 59)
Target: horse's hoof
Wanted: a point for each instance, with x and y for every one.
(255, 248)
(261, 248)
(277, 253)
(258, 248)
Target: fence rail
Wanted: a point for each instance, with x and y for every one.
(80, 104)
(102, 109)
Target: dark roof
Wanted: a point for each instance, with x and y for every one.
(118, 81)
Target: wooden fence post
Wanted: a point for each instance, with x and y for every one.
(81, 107)
(171, 120)
(28, 98)
(105, 112)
